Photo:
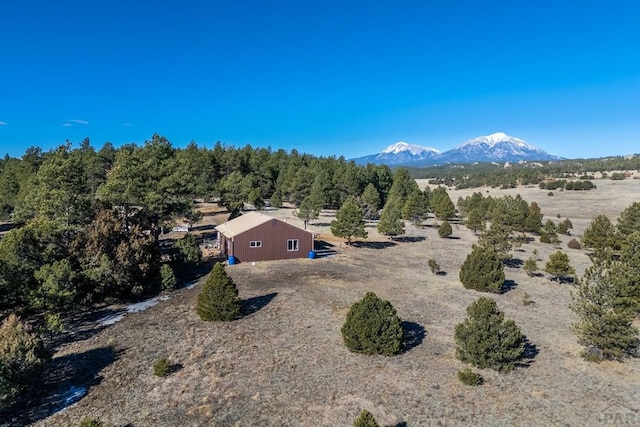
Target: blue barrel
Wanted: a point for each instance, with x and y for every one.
(232, 260)
(312, 254)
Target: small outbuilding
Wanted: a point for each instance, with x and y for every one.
(258, 237)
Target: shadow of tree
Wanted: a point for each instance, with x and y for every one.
(67, 380)
(530, 353)
(414, 334)
(410, 239)
(441, 273)
(252, 305)
(507, 286)
(513, 262)
(373, 245)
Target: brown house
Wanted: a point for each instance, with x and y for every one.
(258, 237)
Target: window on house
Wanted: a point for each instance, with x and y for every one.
(255, 244)
(292, 244)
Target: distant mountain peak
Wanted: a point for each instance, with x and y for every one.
(497, 147)
(496, 138)
(401, 146)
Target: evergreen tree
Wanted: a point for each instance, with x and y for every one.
(391, 223)
(600, 234)
(629, 220)
(445, 229)
(475, 221)
(167, 278)
(188, 253)
(558, 266)
(416, 207)
(605, 320)
(349, 221)
(498, 238)
(373, 327)
(219, 297)
(371, 196)
(533, 221)
(441, 203)
(23, 359)
(482, 270)
(486, 340)
(365, 419)
(308, 210)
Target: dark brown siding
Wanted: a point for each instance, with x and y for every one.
(274, 236)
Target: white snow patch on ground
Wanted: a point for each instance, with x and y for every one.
(132, 308)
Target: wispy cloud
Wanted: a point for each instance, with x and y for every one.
(80, 122)
(3, 123)
(66, 124)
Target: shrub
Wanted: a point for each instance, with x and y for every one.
(445, 229)
(526, 299)
(162, 367)
(486, 340)
(530, 266)
(482, 270)
(373, 327)
(91, 422)
(23, 359)
(219, 297)
(365, 419)
(574, 244)
(558, 266)
(167, 278)
(433, 265)
(468, 377)
(550, 193)
(545, 238)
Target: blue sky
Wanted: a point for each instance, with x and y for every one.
(325, 77)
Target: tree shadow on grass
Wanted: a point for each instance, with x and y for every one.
(530, 353)
(67, 381)
(414, 334)
(513, 262)
(255, 304)
(441, 273)
(373, 245)
(410, 239)
(507, 286)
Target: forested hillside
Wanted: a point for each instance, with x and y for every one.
(86, 223)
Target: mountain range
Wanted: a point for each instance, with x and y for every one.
(497, 147)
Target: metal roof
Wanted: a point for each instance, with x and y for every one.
(243, 223)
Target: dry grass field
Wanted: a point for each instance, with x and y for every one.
(285, 364)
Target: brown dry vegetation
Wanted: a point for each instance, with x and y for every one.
(285, 364)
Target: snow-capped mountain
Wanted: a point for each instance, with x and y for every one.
(497, 147)
(400, 153)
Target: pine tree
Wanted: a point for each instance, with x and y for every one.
(219, 297)
(445, 229)
(365, 419)
(605, 318)
(349, 221)
(482, 270)
(308, 210)
(441, 203)
(416, 207)
(486, 340)
(475, 221)
(371, 196)
(391, 223)
(373, 327)
(498, 238)
(558, 266)
(629, 221)
(533, 222)
(600, 234)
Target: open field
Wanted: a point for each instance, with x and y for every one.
(285, 363)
